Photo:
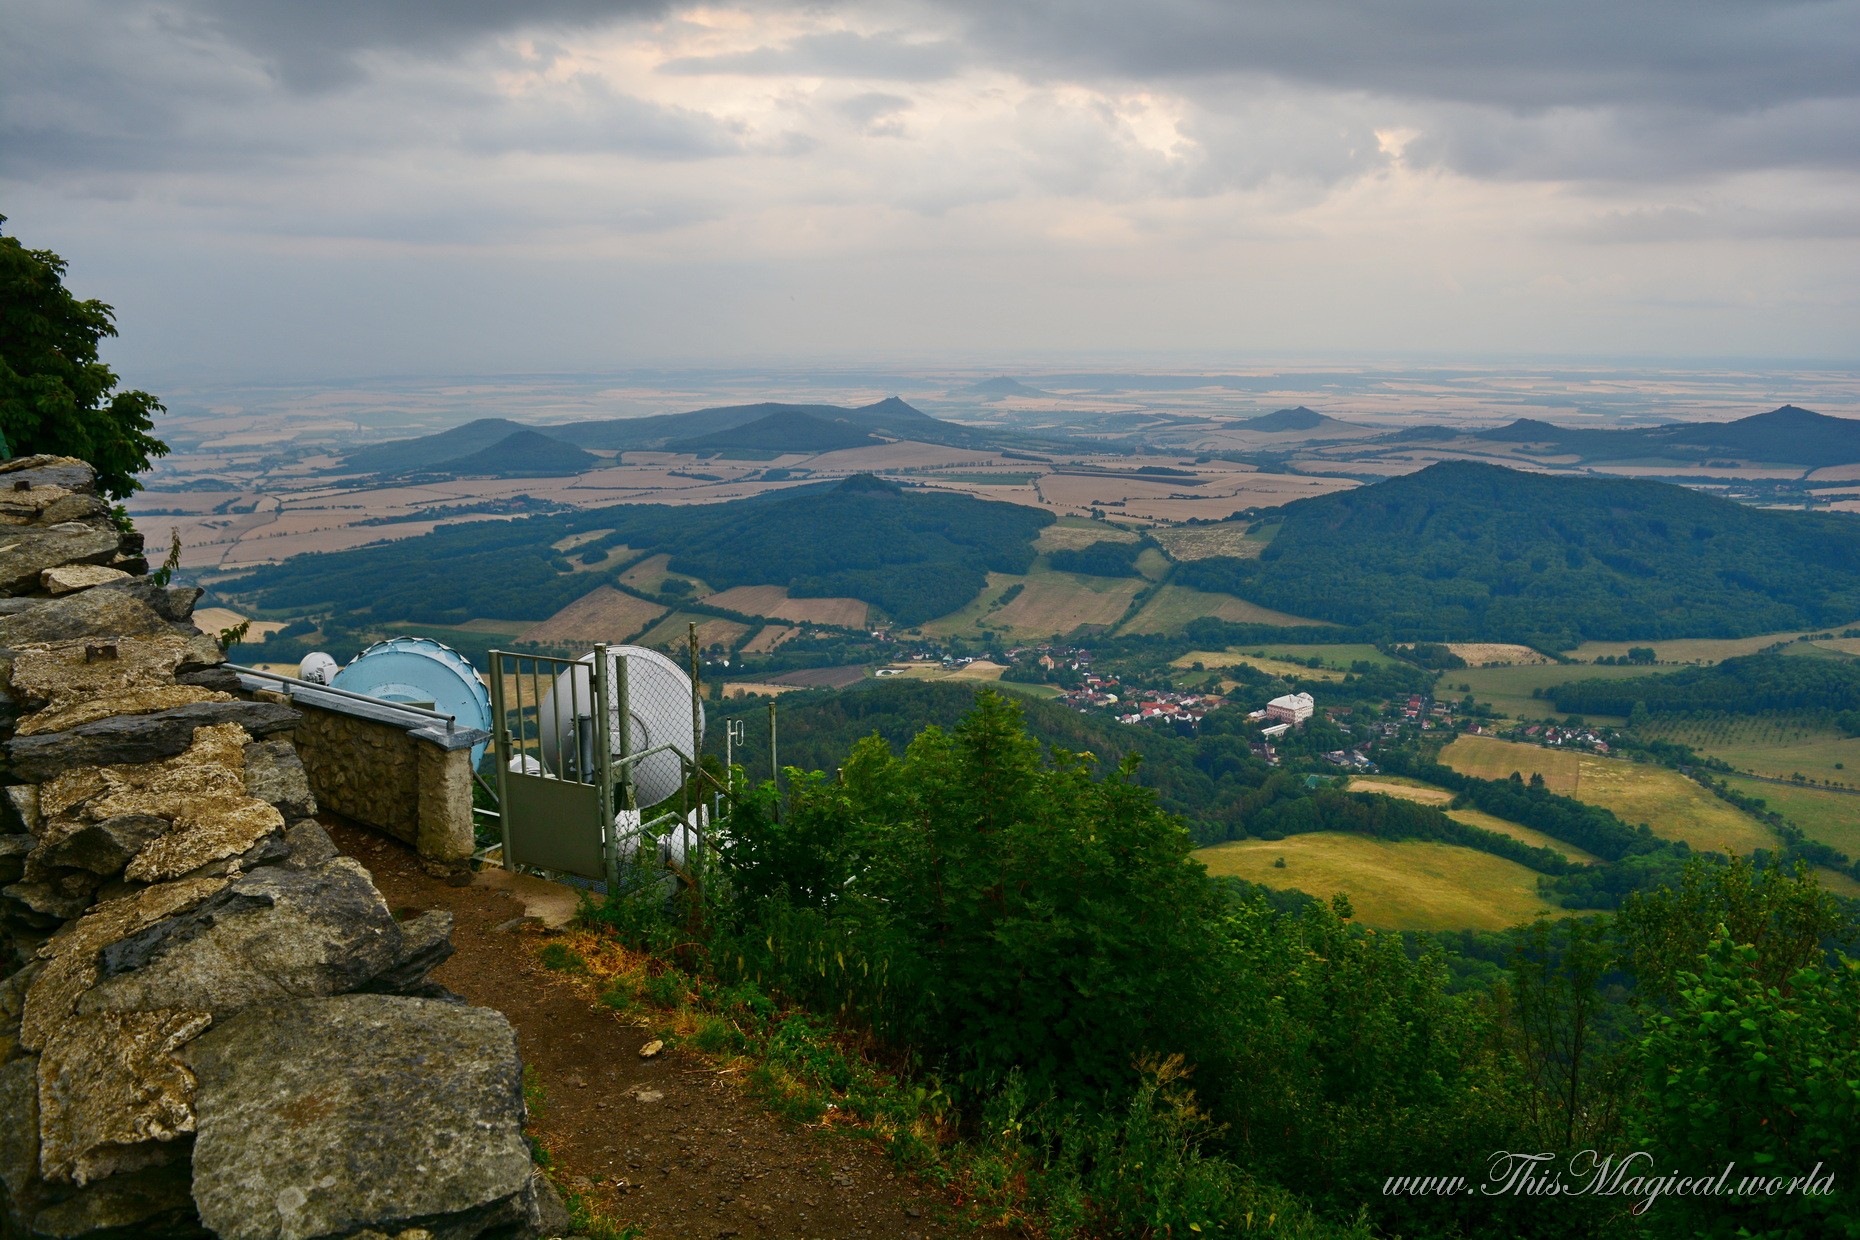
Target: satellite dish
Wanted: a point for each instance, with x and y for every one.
(659, 701)
(417, 671)
(317, 668)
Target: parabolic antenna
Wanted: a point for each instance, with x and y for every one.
(658, 701)
(421, 672)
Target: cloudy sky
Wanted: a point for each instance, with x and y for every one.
(344, 187)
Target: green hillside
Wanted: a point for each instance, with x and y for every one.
(524, 454)
(1789, 435)
(912, 554)
(1757, 684)
(431, 451)
(1476, 551)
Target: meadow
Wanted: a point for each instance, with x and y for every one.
(1405, 885)
(1272, 667)
(1427, 794)
(1673, 806)
(1507, 690)
(1172, 607)
(1696, 649)
(1833, 818)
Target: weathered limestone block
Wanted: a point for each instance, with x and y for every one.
(48, 504)
(78, 682)
(68, 578)
(426, 943)
(137, 739)
(102, 848)
(274, 934)
(71, 956)
(22, 805)
(323, 1117)
(275, 774)
(309, 843)
(58, 894)
(110, 1085)
(129, 609)
(155, 1203)
(202, 792)
(13, 850)
(27, 551)
(44, 470)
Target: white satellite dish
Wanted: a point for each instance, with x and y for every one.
(658, 701)
(317, 668)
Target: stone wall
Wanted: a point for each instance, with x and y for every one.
(210, 1022)
(403, 778)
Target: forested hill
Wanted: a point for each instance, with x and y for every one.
(912, 554)
(787, 430)
(1469, 550)
(1753, 685)
(1789, 435)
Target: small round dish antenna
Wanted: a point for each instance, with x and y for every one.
(659, 706)
(417, 671)
(317, 668)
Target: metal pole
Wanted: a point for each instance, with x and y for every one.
(774, 760)
(500, 749)
(603, 770)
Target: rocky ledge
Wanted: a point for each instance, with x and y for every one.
(210, 1022)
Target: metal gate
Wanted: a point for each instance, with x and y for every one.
(573, 754)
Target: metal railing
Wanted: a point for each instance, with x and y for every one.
(292, 683)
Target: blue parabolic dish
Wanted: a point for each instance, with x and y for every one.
(419, 670)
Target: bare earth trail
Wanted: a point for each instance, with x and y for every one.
(667, 1143)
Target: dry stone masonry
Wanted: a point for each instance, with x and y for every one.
(210, 1022)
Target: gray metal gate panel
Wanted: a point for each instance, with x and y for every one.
(557, 824)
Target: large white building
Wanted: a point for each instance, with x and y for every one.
(1293, 708)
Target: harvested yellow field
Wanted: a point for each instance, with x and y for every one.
(1204, 542)
(1496, 654)
(1264, 663)
(1490, 758)
(1403, 789)
(1061, 602)
(674, 633)
(1065, 536)
(1698, 649)
(774, 601)
(1174, 606)
(752, 688)
(603, 614)
(1406, 885)
(1518, 831)
(768, 637)
(1671, 805)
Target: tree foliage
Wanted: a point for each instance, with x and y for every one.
(56, 396)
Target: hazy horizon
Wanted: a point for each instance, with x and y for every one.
(266, 189)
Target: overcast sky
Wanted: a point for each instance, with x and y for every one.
(343, 187)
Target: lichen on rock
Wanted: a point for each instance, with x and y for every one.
(109, 1084)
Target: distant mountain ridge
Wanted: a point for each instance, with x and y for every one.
(1789, 435)
(1297, 419)
(785, 430)
(773, 420)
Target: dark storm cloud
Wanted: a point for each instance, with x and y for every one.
(1719, 55)
(315, 44)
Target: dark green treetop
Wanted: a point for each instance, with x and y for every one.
(55, 395)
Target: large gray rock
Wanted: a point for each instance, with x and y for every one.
(128, 609)
(102, 847)
(274, 934)
(13, 850)
(25, 552)
(44, 470)
(274, 773)
(309, 843)
(125, 739)
(323, 1117)
(426, 943)
(155, 1203)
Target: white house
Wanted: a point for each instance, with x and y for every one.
(1293, 708)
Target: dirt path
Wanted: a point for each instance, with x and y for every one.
(663, 1143)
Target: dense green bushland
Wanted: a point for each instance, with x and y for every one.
(1473, 551)
(1029, 937)
(1100, 559)
(1757, 684)
(913, 554)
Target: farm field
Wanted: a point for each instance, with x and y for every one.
(1174, 606)
(1202, 542)
(1061, 602)
(768, 637)
(674, 632)
(1672, 805)
(1339, 656)
(981, 669)
(603, 614)
(1272, 667)
(970, 616)
(650, 574)
(1481, 654)
(218, 619)
(1407, 885)
(1697, 649)
(774, 601)
(1400, 788)
(820, 677)
(1833, 818)
(1779, 746)
(1508, 689)
(1840, 884)
(1076, 533)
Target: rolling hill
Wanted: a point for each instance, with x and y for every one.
(912, 554)
(522, 454)
(785, 430)
(670, 431)
(1470, 550)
